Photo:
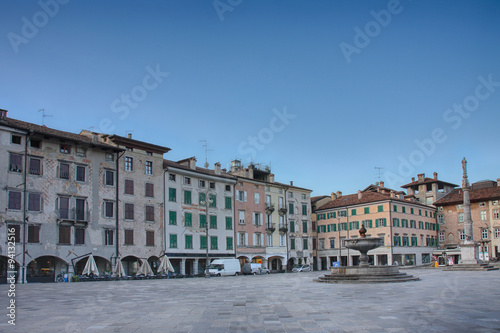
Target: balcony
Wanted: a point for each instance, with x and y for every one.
(282, 211)
(269, 209)
(270, 228)
(283, 229)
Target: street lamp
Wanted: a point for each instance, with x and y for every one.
(206, 203)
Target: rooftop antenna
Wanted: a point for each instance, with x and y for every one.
(44, 116)
(379, 173)
(205, 145)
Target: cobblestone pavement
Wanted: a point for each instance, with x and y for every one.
(439, 302)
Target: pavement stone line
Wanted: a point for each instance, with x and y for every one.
(440, 302)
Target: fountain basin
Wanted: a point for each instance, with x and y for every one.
(363, 245)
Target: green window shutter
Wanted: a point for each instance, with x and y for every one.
(404, 209)
(173, 241)
(304, 227)
(411, 211)
(319, 229)
(290, 208)
(376, 223)
(334, 227)
(380, 208)
(187, 197)
(229, 204)
(213, 200)
(395, 208)
(188, 219)
(202, 199)
(304, 209)
(334, 215)
(229, 223)
(357, 224)
(172, 217)
(172, 195)
(353, 212)
(329, 228)
(189, 241)
(292, 244)
(306, 246)
(292, 226)
(213, 222)
(213, 243)
(203, 242)
(367, 210)
(229, 243)
(419, 212)
(203, 221)
(350, 225)
(385, 222)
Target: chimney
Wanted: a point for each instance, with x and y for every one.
(412, 179)
(192, 163)
(291, 182)
(381, 184)
(498, 182)
(435, 175)
(271, 177)
(360, 194)
(224, 170)
(3, 114)
(130, 135)
(333, 196)
(339, 194)
(421, 177)
(393, 194)
(217, 168)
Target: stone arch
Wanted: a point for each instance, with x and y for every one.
(46, 268)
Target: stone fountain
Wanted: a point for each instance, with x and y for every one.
(364, 273)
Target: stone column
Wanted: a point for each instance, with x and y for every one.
(183, 266)
(195, 267)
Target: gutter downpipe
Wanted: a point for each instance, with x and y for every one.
(25, 190)
(390, 228)
(118, 156)
(286, 233)
(163, 234)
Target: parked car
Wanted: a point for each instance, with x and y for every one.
(254, 268)
(301, 268)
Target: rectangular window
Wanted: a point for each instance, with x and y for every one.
(229, 243)
(16, 139)
(35, 166)
(109, 178)
(80, 173)
(353, 212)
(149, 168)
(187, 197)
(108, 236)
(213, 243)
(203, 221)
(201, 183)
(411, 211)
(484, 233)
(35, 143)
(228, 203)
(304, 227)
(441, 236)
(203, 242)
(497, 233)
(229, 223)
(173, 241)
(129, 237)
(171, 178)
(403, 209)
(257, 219)
(150, 190)
(80, 209)
(380, 208)
(213, 222)
(14, 200)
(242, 196)
(150, 213)
(367, 210)
(129, 163)
(304, 210)
(202, 199)
(129, 186)
(34, 202)
(64, 234)
(188, 219)
(305, 244)
(63, 207)
(110, 157)
(16, 162)
(64, 171)
(212, 199)
(188, 241)
(108, 209)
(212, 185)
(33, 233)
(256, 198)
(495, 214)
(460, 217)
(79, 236)
(290, 208)
(80, 151)
(129, 211)
(187, 181)
(172, 195)
(395, 208)
(482, 215)
(292, 243)
(241, 217)
(292, 226)
(242, 239)
(64, 148)
(150, 238)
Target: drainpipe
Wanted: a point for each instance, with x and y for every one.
(25, 191)
(117, 202)
(163, 234)
(391, 239)
(347, 227)
(286, 233)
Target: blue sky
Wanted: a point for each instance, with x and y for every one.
(323, 91)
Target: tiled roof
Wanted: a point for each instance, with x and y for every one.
(318, 198)
(210, 172)
(427, 180)
(367, 197)
(46, 131)
(476, 195)
(120, 140)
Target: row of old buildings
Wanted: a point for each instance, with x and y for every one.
(64, 196)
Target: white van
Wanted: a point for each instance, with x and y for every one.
(254, 268)
(220, 267)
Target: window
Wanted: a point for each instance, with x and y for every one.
(256, 198)
(212, 185)
(109, 157)
(203, 221)
(213, 222)
(64, 171)
(305, 243)
(367, 210)
(241, 216)
(187, 181)
(403, 209)
(242, 238)
(64, 234)
(212, 199)
(150, 190)
(258, 239)
(129, 163)
(290, 194)
(229, 243)
(292, 226)
(290, 208)
(229, 223)
(108, 236)
(14, 200)
(353, 212)
(342, 213)
(149, 168)
(201, 183)
(460, 217)
(108, 209)
(16, 139)
(482, 215)
(395, 208)
(495, 214)
(256, 218)
(332, 243)
(171, 178)
(380, 208)
(304, 227)
(35, 166)
(150, 213)
(129, 237)
(497, 233)
(188, 219)
(33, 233)
(412, 211)
(64, 148)
(461, 235)
(397, 240)
(16, 162)
(80, 151)
(441, 236)
(172, 217)
(292, 243)
(150, 238)
(79, 236)
(440, 218)
(80, 209)
(203, 242)
(80, 173)
(269, 240)
(129, 186)
(228, 189)
(129, 211)
(484, 233)
(35, 143)
(228, 203)
(280, 202)
(202, 199)
(213, 243)
(242, 196)
(109, 178)
(188, 241)
(63, 207)
(187, 197)
(304, 209)
(16, 230)
(414, 241)
(172, 194)
(34, 202)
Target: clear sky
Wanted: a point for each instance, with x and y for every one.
(325, 91)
